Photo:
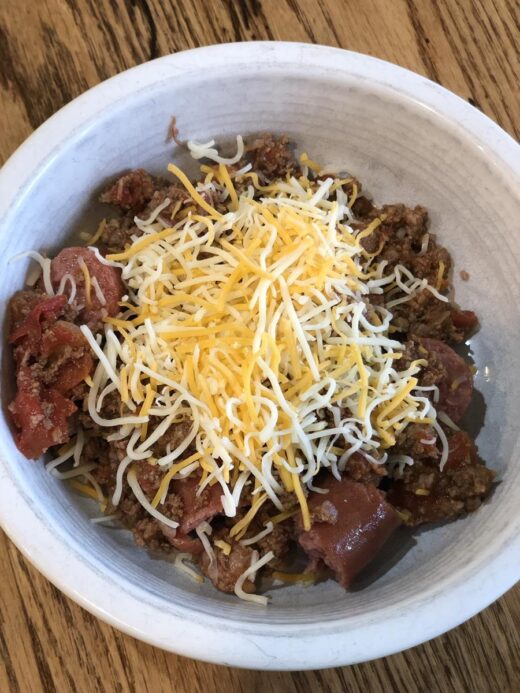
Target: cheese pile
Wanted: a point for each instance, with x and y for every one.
(249, 319)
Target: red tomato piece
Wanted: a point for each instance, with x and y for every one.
(47, 309)
(40, 416)
(65, 342)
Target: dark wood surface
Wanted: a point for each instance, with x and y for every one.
(51, 51)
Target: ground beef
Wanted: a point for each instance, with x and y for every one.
(148, 534)
(401, 239)
(117, 234)
(111, 409)
(118, 231)
(173, 437)
(358, 468)
(271, 157)
(149, 477)
(425, 494)
(425, 316)
(418, 441)
(178, 197)
(131, 191)
(225, 570)
(278, 541)
(96, 449)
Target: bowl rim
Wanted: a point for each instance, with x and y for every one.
(285, 646)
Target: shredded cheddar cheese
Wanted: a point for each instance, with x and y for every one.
(249, 318)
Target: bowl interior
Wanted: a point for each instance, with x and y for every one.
(401, 151)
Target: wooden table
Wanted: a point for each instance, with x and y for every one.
(51, 51)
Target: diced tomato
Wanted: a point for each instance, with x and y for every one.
(47, 309)
(59, 337)
(41, 418)
(131, 191)
(56, 352)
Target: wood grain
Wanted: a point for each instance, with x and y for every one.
(51, 51)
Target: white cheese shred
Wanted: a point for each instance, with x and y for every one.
(253, 540)
(203, 531)
(207, 151)
(143, 500)
(44, 263)
(182, 561)
(252, 570)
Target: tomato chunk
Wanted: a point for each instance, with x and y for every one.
(40, 415)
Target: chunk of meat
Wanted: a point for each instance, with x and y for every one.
(425, 494)
(225, 570)
(117, 234)
(92, 309)
(271, 157)
(456, 382)
(417, 441)
(403, 238)
(131, 191)
(465, 320)
(362, 207)
(349, 526)
(182, 542)
(196, 508)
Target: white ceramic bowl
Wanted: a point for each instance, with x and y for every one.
(407, 139)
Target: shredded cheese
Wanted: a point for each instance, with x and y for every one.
(182, 561)
(253, 540)
(138, 493)
(203, 531)
(249, 320)
(92, 240)
(88, 281)
(252, 570)
(223, 546)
